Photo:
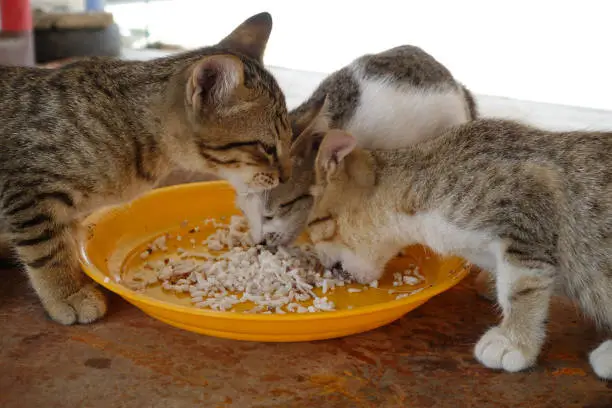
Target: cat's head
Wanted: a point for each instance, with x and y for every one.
(235, 113)
(278, 216)
(345, 221)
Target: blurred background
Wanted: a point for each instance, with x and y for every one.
(544, 51)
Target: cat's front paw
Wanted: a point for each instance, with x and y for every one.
(85, 306)
(601, 360)
(495, 350)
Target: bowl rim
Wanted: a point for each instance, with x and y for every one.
(458, 271)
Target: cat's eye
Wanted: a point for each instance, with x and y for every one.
(320, 220)
(268, 150)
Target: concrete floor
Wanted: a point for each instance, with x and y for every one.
(423, 360)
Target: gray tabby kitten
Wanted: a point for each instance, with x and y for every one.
(386, 100)
(101, 132)
(533, 207)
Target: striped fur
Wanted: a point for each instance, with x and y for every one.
(532, 207)
(100, 132)
(386, 100)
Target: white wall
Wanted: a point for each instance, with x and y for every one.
(540, 50)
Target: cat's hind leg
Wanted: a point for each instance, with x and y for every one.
(46, 245)
(601, 310)
(590, 283)
(524, 296)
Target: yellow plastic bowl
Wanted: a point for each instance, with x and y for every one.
(117, 235)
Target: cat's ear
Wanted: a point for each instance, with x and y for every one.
(251, 37)
(309, 128)
(214, 80)
(336, 145)
(313, 117)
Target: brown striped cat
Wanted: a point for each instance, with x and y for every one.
(100, 132)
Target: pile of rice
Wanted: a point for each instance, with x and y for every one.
(277, 282)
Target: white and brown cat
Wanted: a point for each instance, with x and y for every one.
(532, 207)
(386, 100)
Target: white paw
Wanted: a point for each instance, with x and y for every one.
(496, 350)
(85, 306)
(359, 269)
(601, 360)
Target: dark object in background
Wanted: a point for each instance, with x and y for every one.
(61, 36)
(158, 45)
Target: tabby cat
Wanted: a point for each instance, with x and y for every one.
(533, 207)
(386, 100)
(101, 131)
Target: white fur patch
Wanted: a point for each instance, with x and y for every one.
(433, 230)
(430, 229)
(601, 360)
(251, 205)
(390, 115)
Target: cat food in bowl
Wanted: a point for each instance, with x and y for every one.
(183, 255)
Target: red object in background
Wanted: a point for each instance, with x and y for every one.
(16, 15)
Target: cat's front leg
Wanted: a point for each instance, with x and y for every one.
(485, 285)
(48, 251)
(524, 296)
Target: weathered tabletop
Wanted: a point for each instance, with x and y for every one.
(422, 360)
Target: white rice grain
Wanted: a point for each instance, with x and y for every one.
(273, 282)
(237, 273)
